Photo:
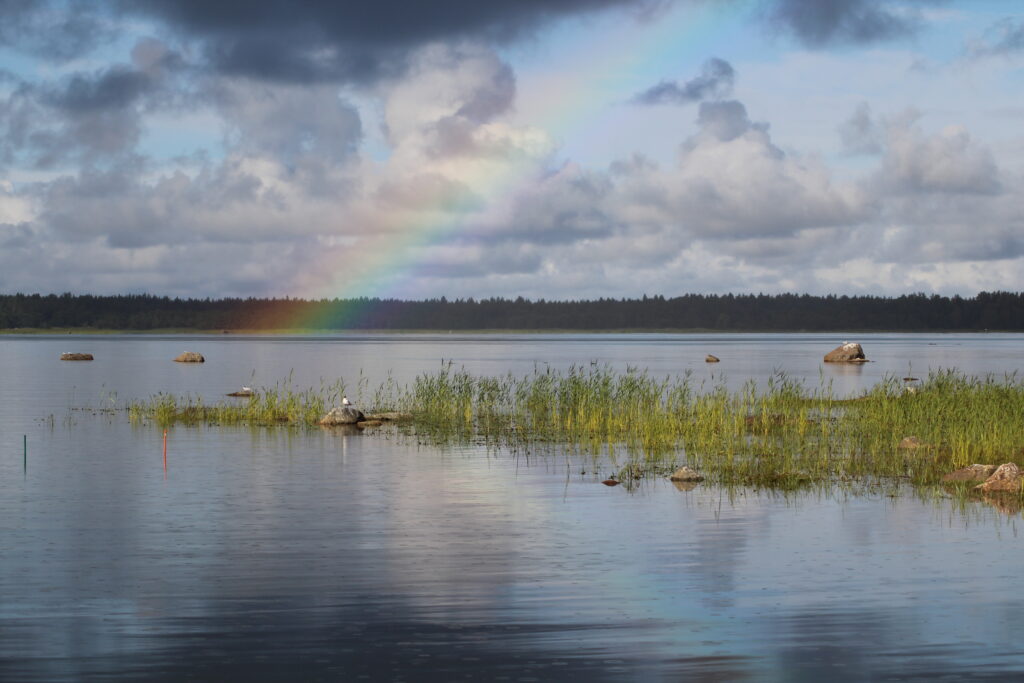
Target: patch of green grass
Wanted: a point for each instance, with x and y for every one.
(780, 436)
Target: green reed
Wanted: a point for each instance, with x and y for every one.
(782, 435)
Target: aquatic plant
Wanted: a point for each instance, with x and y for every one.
(782, 435)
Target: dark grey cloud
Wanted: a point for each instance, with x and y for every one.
(349, 40)
(116, 87)
(1004, 37)
(715, 81)
(726, 120)
(818, 23)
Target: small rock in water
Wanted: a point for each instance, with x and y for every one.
(76, 356)
(389, 417)
(610, 482)
(1006, 479)
(847, 352)
(343, 415)
(684, 473)
(971, 473)
(190, 357)
(243, 392)
(711, 359)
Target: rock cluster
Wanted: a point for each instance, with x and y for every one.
(1007, 478)
(971, 473)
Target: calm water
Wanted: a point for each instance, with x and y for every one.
(317, 555)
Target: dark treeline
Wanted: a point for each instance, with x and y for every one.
(986, 311)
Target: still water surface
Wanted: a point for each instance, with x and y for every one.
(277, 554)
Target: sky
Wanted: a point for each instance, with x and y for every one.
(559, 150)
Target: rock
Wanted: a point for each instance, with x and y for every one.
(369, 423)
(684, 473)
(343, 415)
(243, 392)
(910, 443)
(1006, 479)
(972, 473)
(610, 482)
(190, 357)
(389, 417)
(76, 356)
(847, 352)
(711, 359)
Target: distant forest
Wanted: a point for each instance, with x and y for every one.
(747, 312)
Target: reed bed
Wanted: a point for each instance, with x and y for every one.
(782, 435)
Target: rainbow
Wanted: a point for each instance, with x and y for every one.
(384, 261)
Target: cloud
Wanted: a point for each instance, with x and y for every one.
(724, 121)
(860, 134)
(89, 117)
(949, 161)
(715, 81)
(348, 41)
(288, 123)
(819, 23)
(53, 30)
(1005, 37)
(80, 122)
(424, 166)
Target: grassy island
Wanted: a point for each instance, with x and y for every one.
(782, 435)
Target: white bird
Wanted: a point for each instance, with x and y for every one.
(345, 401)
(246, 388)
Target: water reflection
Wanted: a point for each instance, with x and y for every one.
(281, 554)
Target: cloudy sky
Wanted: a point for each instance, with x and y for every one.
(568, 149)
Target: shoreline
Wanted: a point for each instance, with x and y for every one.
(312, 332)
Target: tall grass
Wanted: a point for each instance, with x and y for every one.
(782, 435)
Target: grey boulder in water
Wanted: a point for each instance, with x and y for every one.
(343, 415)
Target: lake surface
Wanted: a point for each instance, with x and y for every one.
(283, 554)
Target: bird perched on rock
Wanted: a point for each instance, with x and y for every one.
(345, 401)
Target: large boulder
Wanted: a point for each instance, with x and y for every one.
(76, 356)
(1006, 479)
(343, 415)
(190, 357)
(971, 473)
(847, 352)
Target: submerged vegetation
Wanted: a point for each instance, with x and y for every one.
(782, 435)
